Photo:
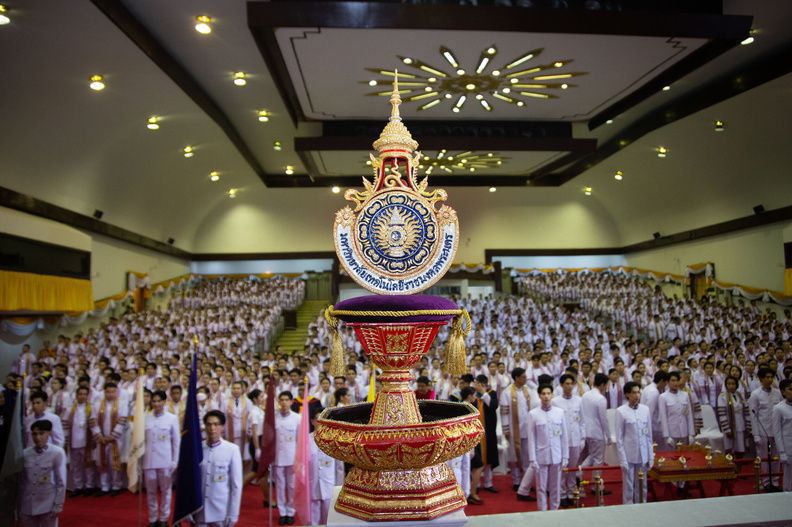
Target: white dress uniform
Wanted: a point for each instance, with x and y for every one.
(782, 430)
(761, 405)
(676, 416)
(634, 445)
(326, 473)
(43, 488)
(81, 469)
(159, 461)
(221, 481)
(526, 399)
(593, 406)
(548, 447)
(56, 436)
(109, 478)
(286, 427)
(732, 407)
(574, 419)
(461, 467)
(238, 417)
(650, 397)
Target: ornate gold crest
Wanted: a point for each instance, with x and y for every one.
(398, 239)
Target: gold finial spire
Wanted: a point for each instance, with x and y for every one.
(395, 136)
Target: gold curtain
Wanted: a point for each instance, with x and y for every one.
(788, 282)
(37, 292)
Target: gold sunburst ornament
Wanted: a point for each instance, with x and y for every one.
(515, 82)
(399, 238)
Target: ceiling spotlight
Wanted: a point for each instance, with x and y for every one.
(470, 86)
(587, 191)
(277, 146)
(203, 24)
(97, 82)
(432, 79)
(666, 88)
(263, 116)
(188, 152)
(495, 73)
(214, 175)
(520, 103)
(662, 151)
(460, 72)
(232, 192)
(564, 86)
(4, 15)
(558, 64)
(493, 189)
(619, 175)
(336, 189)
(240, 78)
(152, 123)
(372, 83)
(719, 126)
(407, 60)
(289, 170)
(609, 121)
(747, 41)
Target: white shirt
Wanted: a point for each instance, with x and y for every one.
(162, 441)
(782, 428)
(761, 405)
(221, 478)
(574, 418)
(634, 435)
(676, 414)
(326, 473)
(286, 428)
(56, 436)
(592, 407)
(547, 436)
(650, 396)
(43, 488)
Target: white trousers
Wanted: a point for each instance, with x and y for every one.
(787, 468)
(40, 520)
(319, 511)
(158, 482)
(486, 476)
(568, 479)
(80, 476)
(761, 451)
(548, 480)
(519, 467)
(284, 489)
(630, 482)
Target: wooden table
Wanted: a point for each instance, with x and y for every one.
(668, 470)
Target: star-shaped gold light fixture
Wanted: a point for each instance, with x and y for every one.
(515, 82)
(455, 163)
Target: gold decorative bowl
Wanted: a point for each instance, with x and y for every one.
(448, 430)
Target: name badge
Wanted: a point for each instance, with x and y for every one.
(288, 438)
(44, 479)
(556, 431)
(219, 478)
(324, 463)
(163, 437)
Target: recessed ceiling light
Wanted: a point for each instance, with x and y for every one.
(407, 60)
(495, 73)
(520, 103)
(564, 86)
(448, 95)
(432, 79)
(491, 51)
(609, 121)
(289, 170)
(749, 40)
(277, 146)
(372, 83)
(97, 83)
(587, 191)
(214, 175)
(460, 72)
(666, 88)
(493, 189)
(336, 189)
(188, 151)
(240, 78)
(619, 175)
(263, 116)
(232, 193)
(506, 90)
(470, 86)
(558, 64)
(514, 80)
(152, 123)
(4, 19)
(719, 125)
(203, 24)
(662, 151)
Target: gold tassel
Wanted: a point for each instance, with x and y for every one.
(337, 368)
(456, 354)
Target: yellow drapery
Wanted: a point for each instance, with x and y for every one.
(788, 282)
(38, 292)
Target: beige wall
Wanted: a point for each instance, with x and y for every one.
(267, 220)
(753, 257)
(43, 230)
(111, 259)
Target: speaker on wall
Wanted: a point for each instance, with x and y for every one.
(98, 214)
(759, 209)
(656, 235)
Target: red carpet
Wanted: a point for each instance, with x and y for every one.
(121, 511)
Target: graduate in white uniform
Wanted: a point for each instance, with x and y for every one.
(676, 413)
(238, 421)
(782, 430)
(732, 415)
(593, 406)
(79, 444)
(221, 476)
(160, 458)
(287, 424)
(39, 412)
(515, 403)
(107, 426)
(43, 486)
(650, 397)
(761, 404)
(548, 448)
(326, 474)
(634, 443)
(570, 403)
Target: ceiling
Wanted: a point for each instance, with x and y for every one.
(82, 150)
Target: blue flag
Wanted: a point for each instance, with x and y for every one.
(14, 460)
(189, 495)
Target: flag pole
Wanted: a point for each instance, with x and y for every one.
(140, 494)
(269, 491)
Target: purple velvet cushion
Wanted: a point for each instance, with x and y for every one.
(395, 303)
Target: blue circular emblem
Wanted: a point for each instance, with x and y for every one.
(396, 233)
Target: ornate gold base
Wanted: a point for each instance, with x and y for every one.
(394, 495)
